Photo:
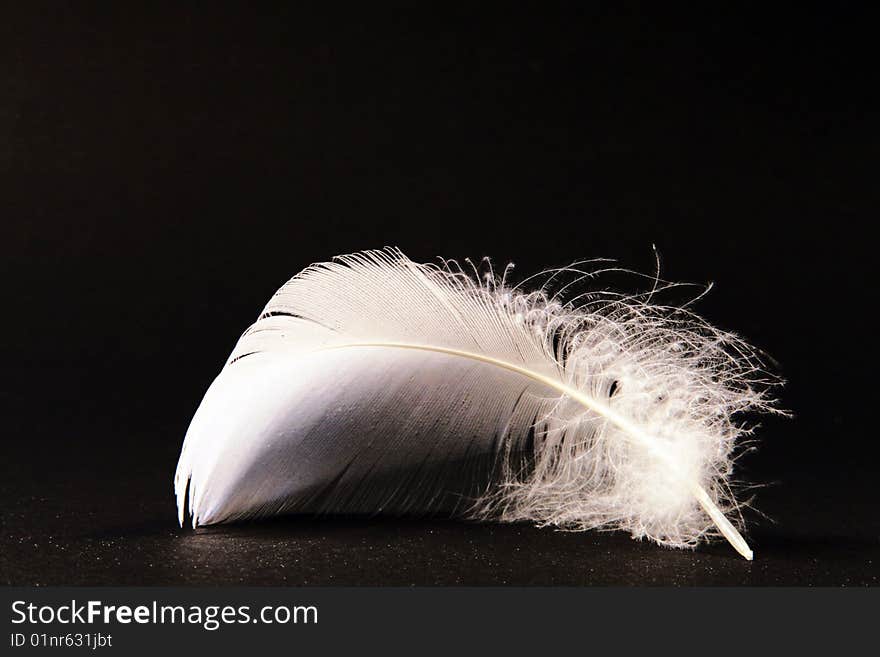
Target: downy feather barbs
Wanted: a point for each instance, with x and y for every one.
(375, 384)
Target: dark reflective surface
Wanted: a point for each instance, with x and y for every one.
(92, 512)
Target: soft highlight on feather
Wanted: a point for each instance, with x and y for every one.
(373, 384)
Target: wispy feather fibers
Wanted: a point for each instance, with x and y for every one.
(373, 384)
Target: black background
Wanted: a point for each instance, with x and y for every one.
(163, 171)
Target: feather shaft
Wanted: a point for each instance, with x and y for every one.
(718, 518)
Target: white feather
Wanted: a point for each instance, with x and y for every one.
(376, 384)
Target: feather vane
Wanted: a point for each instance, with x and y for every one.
(375, 384)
